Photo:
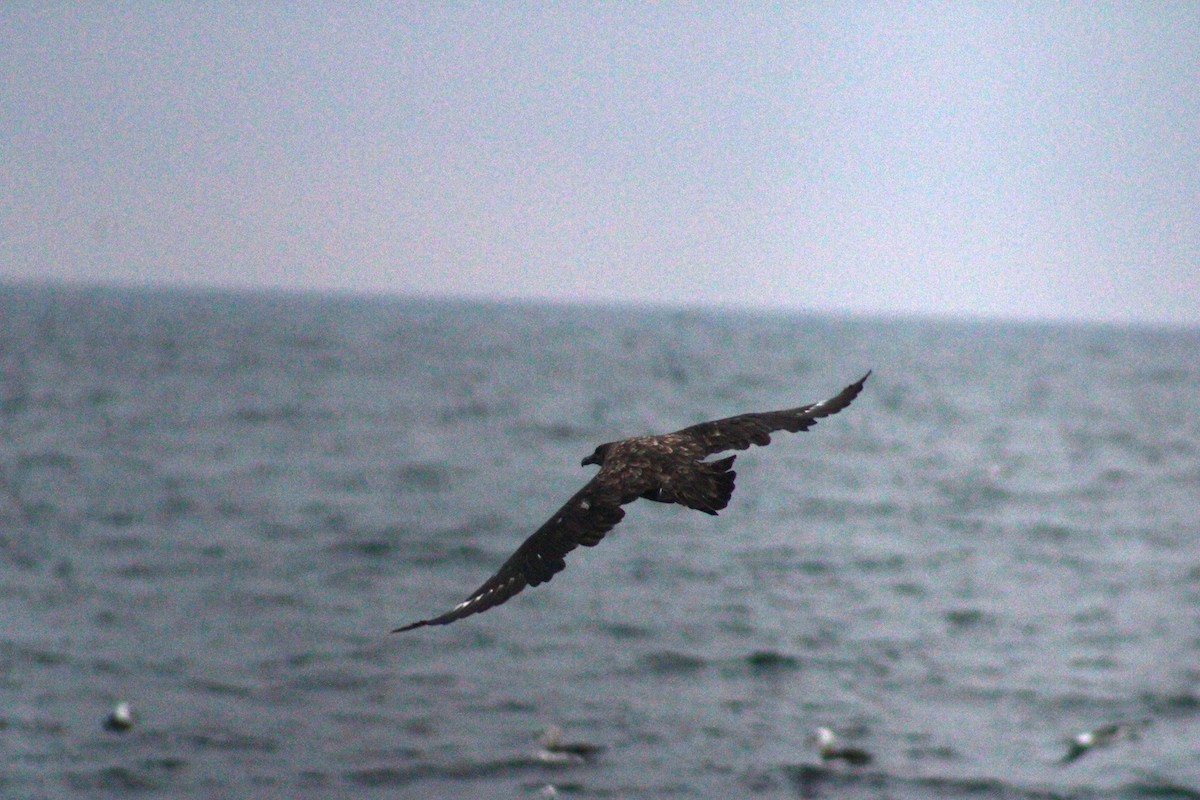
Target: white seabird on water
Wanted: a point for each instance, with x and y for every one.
(830, 749)
(556, 751)
(1081, 743)
(120, 719)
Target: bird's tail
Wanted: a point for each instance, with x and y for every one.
(710, 488)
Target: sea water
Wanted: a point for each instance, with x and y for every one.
(215, 506)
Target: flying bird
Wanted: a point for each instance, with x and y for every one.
(668, 468)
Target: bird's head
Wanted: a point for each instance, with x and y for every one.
(598, 455)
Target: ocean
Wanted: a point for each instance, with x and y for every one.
(215, 506)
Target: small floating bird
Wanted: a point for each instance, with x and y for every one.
(554, 750)
(669, 468)
(120, 719)
(830, 749)
(1081, 743)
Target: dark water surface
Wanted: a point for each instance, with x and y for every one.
(214, 507)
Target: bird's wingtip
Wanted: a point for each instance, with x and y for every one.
(411, 626)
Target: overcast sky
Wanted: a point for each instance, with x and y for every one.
(1034, 161)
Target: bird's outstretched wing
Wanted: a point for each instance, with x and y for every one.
(584, 520)
(738, 433)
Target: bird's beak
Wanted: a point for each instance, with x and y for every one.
(586, 461)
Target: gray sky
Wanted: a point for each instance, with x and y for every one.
(1033, 160)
